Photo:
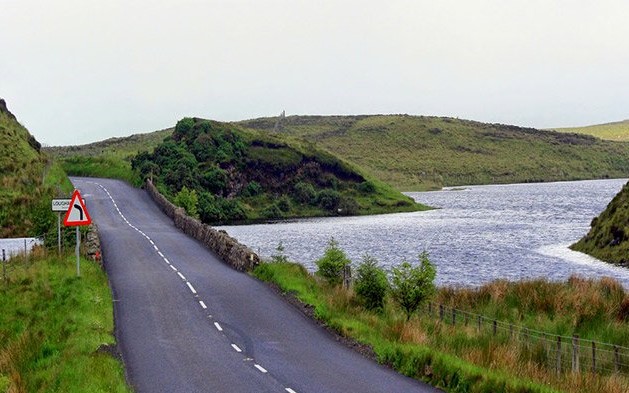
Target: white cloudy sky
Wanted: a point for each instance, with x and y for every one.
(79, 71)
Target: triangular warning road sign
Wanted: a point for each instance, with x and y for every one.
(77, 212)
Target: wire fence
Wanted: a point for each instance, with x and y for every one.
(560, 353)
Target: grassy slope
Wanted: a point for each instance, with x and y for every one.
(608, 238)
(462, 359)
(28, 179)
(415, 153)
(616, 131)
(108, 158)
(52, 325)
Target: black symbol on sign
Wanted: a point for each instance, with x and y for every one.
(77, 206)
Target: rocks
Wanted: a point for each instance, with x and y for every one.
(92, 244)
(237, 255)
(5, 110)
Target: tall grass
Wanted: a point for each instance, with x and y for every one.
(463, 359)
(56, 329)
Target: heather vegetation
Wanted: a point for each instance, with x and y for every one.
(221, 173)
(415, 153)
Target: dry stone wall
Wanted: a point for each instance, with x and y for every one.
(235, 254)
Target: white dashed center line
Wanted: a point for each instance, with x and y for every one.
(201, 302)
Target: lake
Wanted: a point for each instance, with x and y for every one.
(478, 234)
(15, 246)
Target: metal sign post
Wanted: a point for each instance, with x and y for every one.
(59, 232)
(4, 266)
(77, 215)
(78, 244)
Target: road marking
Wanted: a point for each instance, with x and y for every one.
(289, 390)
(262, 369)
(191, 287)
(160, 254)
(202, 304)
(172, 267)
(236, 348)
(155, 247)
(182, 276)
(218, 327)
(166, 260)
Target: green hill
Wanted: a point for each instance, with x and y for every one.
(238, 174)
(29, 180)
(608, 238)
(420, 152)
(617, 131)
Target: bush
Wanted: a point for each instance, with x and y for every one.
(367, 187)
(283, 203)
(280, 257)
(348, 206)
(413, 285)
(305, 193)
(272, 211)
(214, 209)
(332, 263)
(189, 200)
(371, 283)
(329, 199)
(252, 189)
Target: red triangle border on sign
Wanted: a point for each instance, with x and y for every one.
(87, 221)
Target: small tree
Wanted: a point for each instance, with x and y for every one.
(280, 257)
(371, 283)
(413, 285)
(332, 263)
(189, 200)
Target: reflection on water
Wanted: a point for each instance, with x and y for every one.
(479, 234)
(18, 245)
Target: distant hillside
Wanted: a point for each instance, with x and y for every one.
(419, 152)
(608, 238)
(223, 173)
(617, 131)
(29, 180)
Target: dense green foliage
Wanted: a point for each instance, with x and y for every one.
(371, 284)
(188, 200)
(420, 152)
(53, 327)
(28, 181)
(608, 238)
(332, 265)
(617, 131)
(247, 175)
(411, 286)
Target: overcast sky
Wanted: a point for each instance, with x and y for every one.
(80, 71)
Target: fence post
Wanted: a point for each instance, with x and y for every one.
(4, 266)
(347, 276)
(479, 323)
(495, 327)
(593, 357)
(558, 354)
(453, 316)
(467, 317)
(441, 312)
(526, 338)
(616, 359)
(575, 353)
(430, 308)
(510, 331)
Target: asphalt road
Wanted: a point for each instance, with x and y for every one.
(186, 322)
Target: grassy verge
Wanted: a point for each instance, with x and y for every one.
(55, 328)
(104, 166)
(463, 359)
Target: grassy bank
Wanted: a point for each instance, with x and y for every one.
(416, 153)
(55, 328)
(462, 359)
(616, 131)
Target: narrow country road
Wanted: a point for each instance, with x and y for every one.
(186, 322)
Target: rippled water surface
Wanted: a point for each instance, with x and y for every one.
(16, 246)
(479, 234)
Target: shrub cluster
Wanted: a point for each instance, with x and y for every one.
(409, 286)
